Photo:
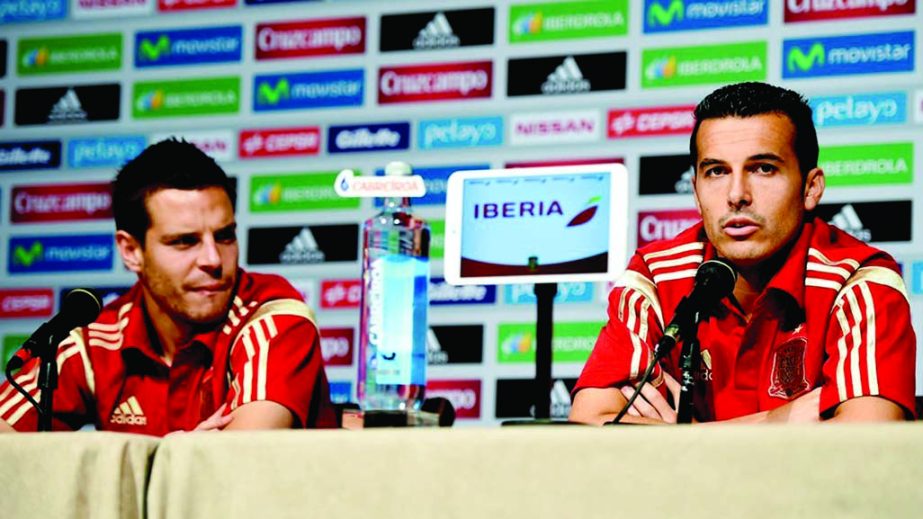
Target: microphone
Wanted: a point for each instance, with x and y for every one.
(78, 308)
(714, 280)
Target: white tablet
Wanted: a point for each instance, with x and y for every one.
(536, 225)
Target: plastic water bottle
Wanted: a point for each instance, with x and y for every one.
(393, 322)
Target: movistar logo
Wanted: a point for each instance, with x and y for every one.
(657, 15)
(272, 95)
(269, 194)
(26, 258)
(798, 60)
(150, 101)
(587, 214)
(528, 24)
(152, 51)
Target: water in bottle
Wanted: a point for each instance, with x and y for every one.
(393, 319)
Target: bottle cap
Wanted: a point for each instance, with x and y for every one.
(398, 168)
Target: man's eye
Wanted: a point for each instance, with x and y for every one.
(226, 237)
(711, 172)
(766, 168)
(184, 241)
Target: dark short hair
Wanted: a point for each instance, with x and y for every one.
(168, 164)
(754, 98)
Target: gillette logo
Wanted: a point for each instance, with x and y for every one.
(373, 137)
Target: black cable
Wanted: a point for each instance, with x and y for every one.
(644, 379)
(23, 392)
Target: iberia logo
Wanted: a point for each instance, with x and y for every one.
(151, 101)
(271, 95)
(657, 15)
(587, 214)
(36, 58)
(663, 68)
(798, 60)
(150, 51)
(26, 257)
(530, 23)
(269, 194)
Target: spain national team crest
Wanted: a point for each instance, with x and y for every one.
(788, 377)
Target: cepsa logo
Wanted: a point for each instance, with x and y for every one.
(279, 142)
(185, 5)
(651, 122)
(340, 293)
(465, 396)
(217, 144)
(555, 127)
(814, 10)
(61, 202)
(442, 82)
(310, 38)
(664, 225)
(845, 55)
(336, 345)
(26, 302)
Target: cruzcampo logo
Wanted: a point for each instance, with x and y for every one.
(25, 257)
(571, 342)
(206, 96)
(270, 94)
(567, 20)
(710, 64)
(298, 192)
(867, 164)
(152, 51)
(89, 53)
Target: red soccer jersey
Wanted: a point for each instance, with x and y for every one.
(836, 316)
(266, 349)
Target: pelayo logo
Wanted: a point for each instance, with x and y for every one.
(22, 155)
(297, 192)
(104, 152)
(551, 21)
(571, 292)
(63, 253)
(685, 66)
(571, 342)
(308, 90)
(859, 109)
(845, 55)
(55, 55)
(685, 15)
(867, 164)
(188, 46)
(463, 132)
(206, 96)
(12, 11)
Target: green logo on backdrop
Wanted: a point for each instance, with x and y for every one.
(657, 15)
(798, 61)
(152, 51)
(684, 66)
(572, 342)
(567, 20)
(88, 53)
(299, 192)
(271, 95)
(206, 96)
(436, 239)
(11, 343)
(26, 258)
(867, 164)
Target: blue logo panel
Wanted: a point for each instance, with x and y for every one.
(341, 391)
(467, 132)
(859, 109)
(571, 292)
(308, 90)
(442, 293)
(188, 46)
(104, 152)
(24, 155)
(63, 253)
(436, 180)
(368, 137)
(916, 278)
(845, 55)
(12, 11)
(688, 15)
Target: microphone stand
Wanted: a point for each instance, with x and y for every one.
(47, 383)
(688, 363)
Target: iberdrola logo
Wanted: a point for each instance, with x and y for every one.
(518, 344)
(36, 58)
(528, 24)
(270, 194)
(150, 51)
(663, 68)
(150, 102)
(588, 212)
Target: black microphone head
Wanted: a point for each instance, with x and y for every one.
(716, 278)
(81, 307)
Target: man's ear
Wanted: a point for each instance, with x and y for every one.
(814, 185)
(130, 250)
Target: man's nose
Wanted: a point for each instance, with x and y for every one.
(739, 190)
(209, 258)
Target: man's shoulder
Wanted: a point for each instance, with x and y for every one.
(833, 246)
(266, 296)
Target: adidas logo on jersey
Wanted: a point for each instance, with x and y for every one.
(436, 35)
(68, 108)
(434, 353)
(302, 249)
(848, 220)
(128, 413)
(566, 79)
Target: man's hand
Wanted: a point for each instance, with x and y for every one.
(651, 404)
(5, 427)
(215, 422)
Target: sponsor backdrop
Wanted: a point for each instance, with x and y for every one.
(284, 95)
